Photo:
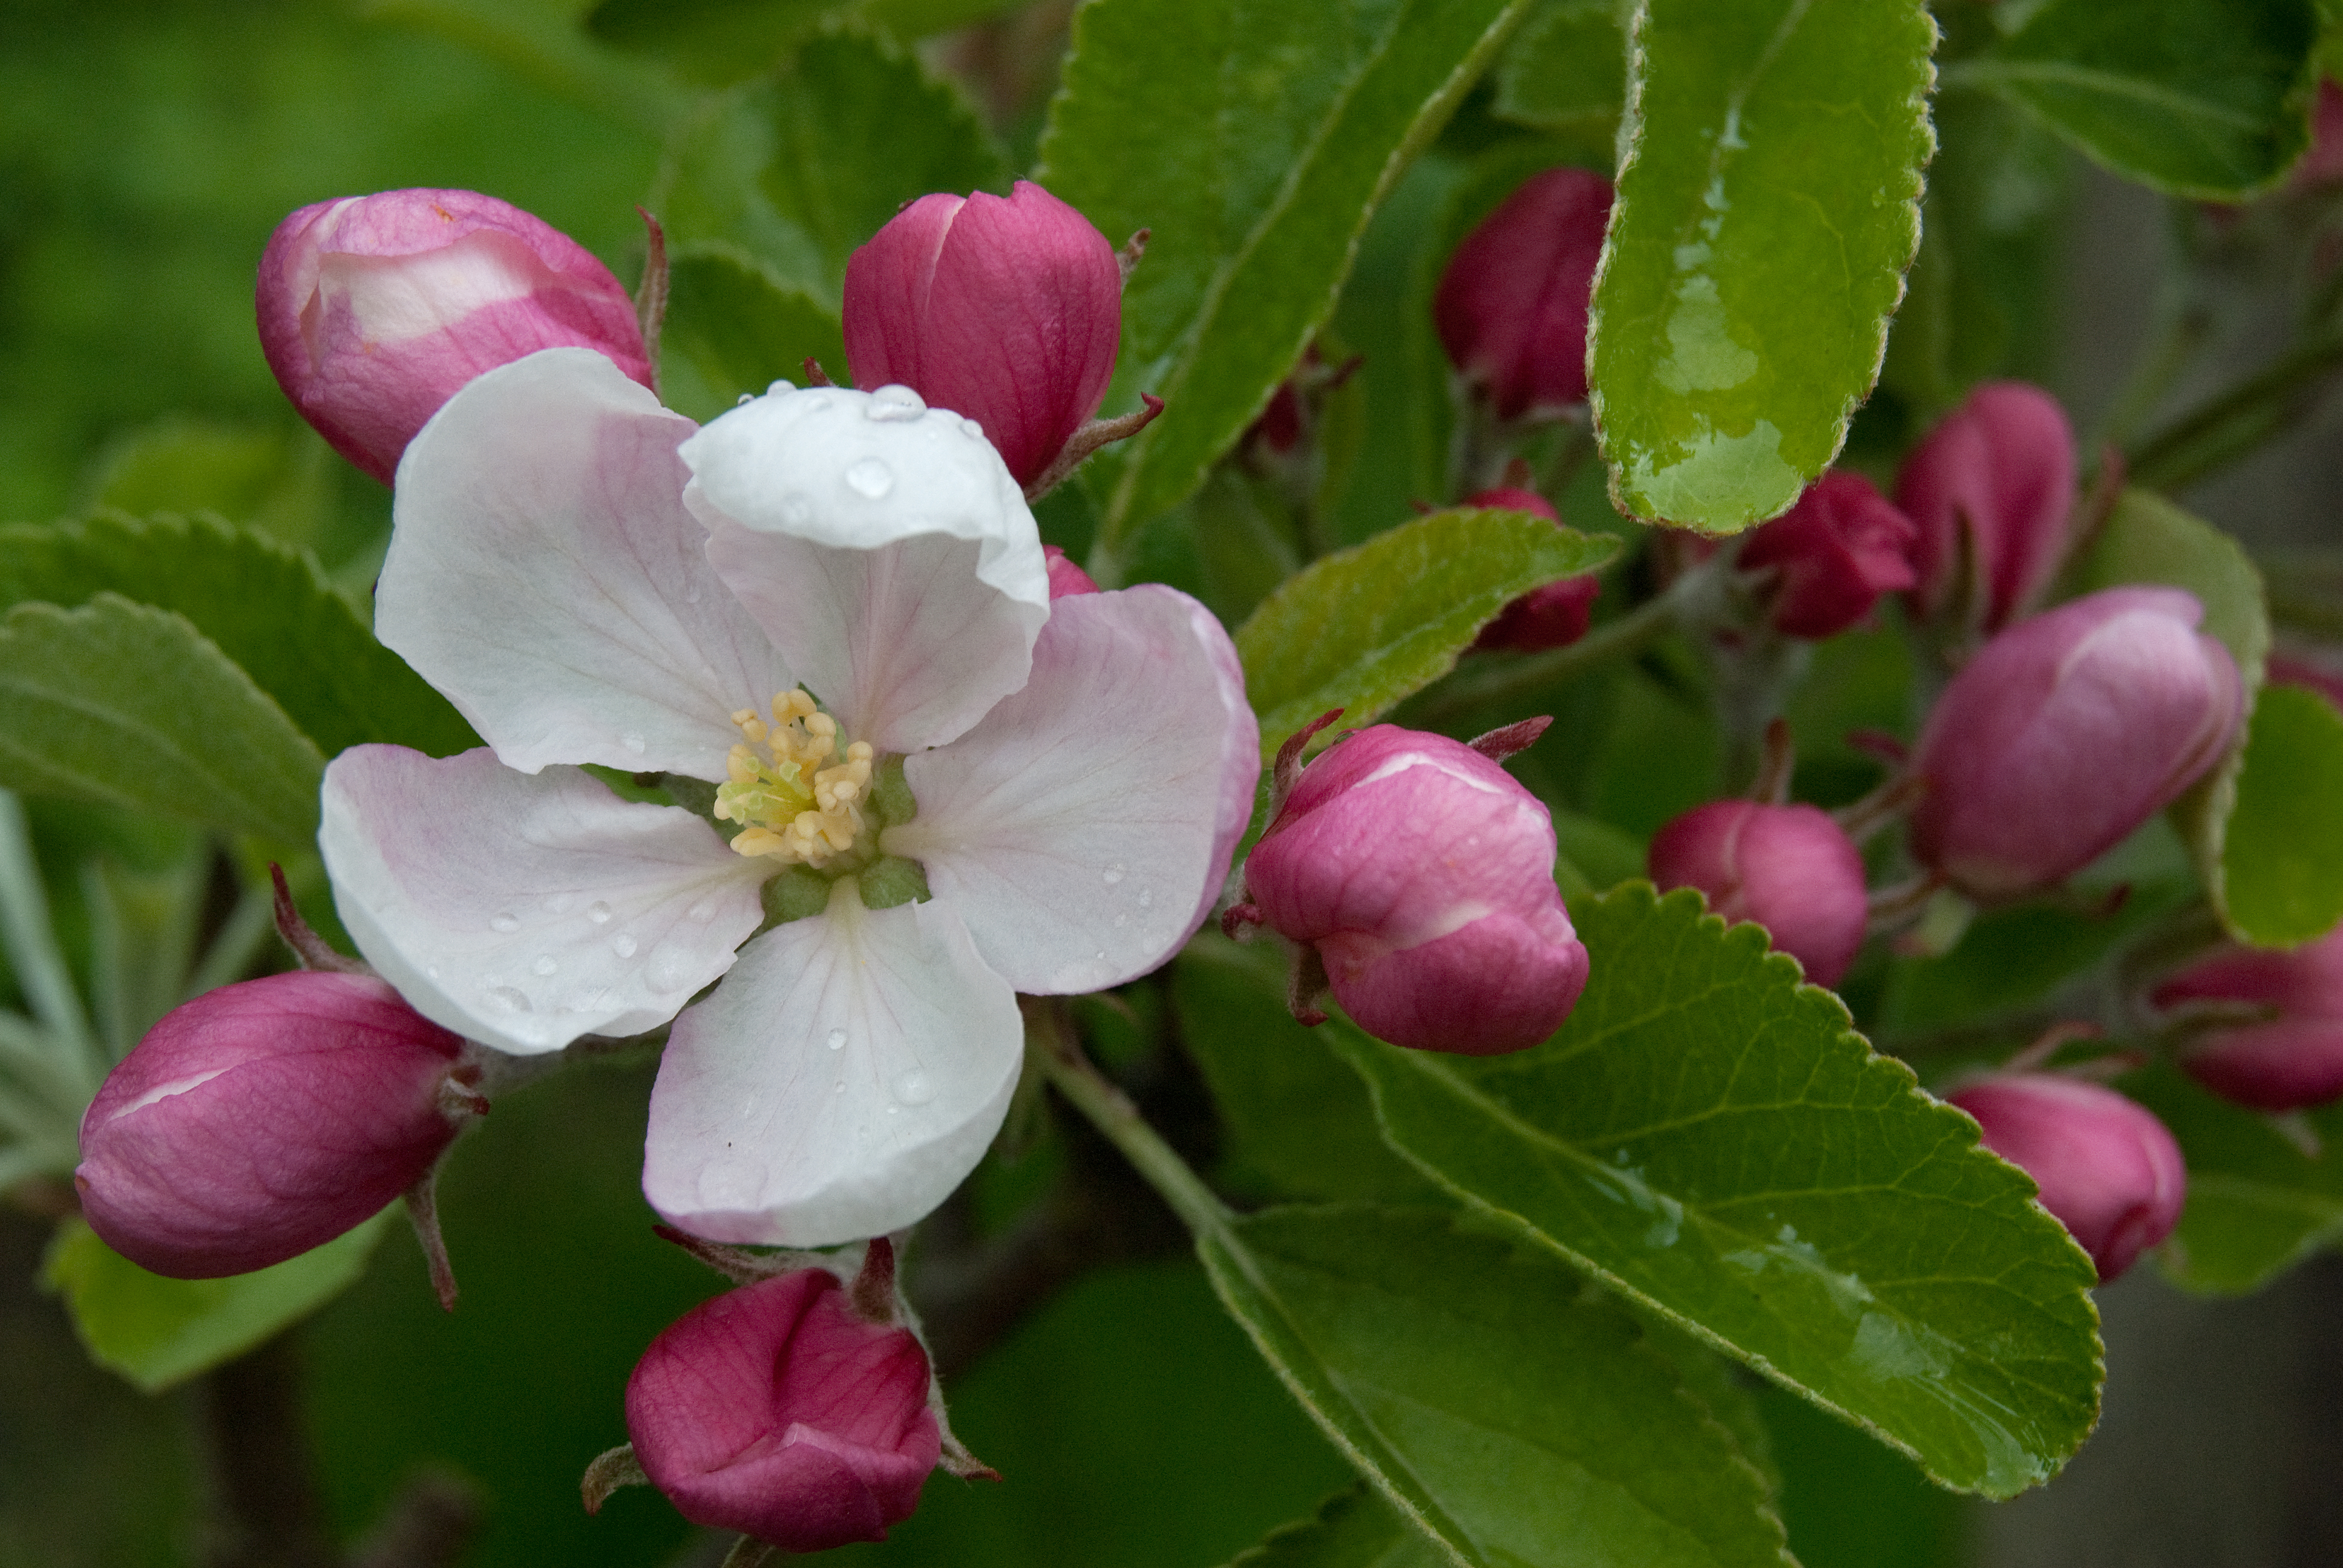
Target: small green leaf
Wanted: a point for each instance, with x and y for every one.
(1354, 1529)
(2193, 98)
(2258, 1201)
(159, 1332)
(1512, 1416)
(279, 480)
(734, 328)
(262, 605)
(2282, 860)
(133, 708)
(1254, 138)
(1768, 205)
(1363, 627)
(720, 41)
(1712, 1138)
(1567, 70)
(798, 169)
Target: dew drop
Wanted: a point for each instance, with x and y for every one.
(1114, 874)
(776, 388)
(598, 912)
(623, 945)
(870, 479)
(505, 922)
(744, 399)
(816, 403)
(839, 1088)
(892, 404)
(1146, 896)
(1101, 953)
(670, 966)
(545, 965)
(797, 509)
(972, 430)
(836, 1041)
(430, 971)
(634, 743)
(703, 911)
(504, 999)
(692, 594)
(554, 903)
(914, 1088)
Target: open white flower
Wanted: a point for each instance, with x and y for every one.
(590, 581)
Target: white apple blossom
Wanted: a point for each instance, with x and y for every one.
(589, 580)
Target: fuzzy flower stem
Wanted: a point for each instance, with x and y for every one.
(1051, 1046)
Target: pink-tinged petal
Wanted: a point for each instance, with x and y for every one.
(527, 910)
(1084, 829)
(842, 1081)
(884, 549)
(544, 575)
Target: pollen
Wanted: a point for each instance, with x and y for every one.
(795, 791)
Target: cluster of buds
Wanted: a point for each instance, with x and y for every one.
(2266, 1029)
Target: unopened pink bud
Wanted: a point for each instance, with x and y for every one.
(1836, 550)
(1065, 577)
(776, 1411)
(1512, 306)
(1990, 490)
(1788, 868)
(1554, 615)
(1006, 312)
(2293, 1059)
(265, 1119)
(373, 310)
(2323, 164)
(2108, 1169)
(1425, 876)
(2064, 733)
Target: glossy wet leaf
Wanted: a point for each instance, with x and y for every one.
(1365, 627)
(734, 328)
(1567, 70)
(1512, 1415)
(1713, 1139)
(2258, 1201)
(131, 708)
(1354, 1529)
(1768, 205)
(264, 606)
(2282, 860)
(1254, 138)
(159, 1332)
(2195, 99)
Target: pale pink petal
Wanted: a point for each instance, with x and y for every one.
(883, 548)
(845, 1077)
(544, 575)
(1084, 829)
(526, 910)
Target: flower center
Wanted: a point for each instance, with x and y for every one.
(795, 793)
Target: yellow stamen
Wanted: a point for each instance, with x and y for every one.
(798, 801)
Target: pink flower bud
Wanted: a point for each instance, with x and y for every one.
(1787, 867)
(2292, 1060)
(265, 1119)
(1989, 489)
(1836, 550)
(2323, 164)
(1512, 306)
(1006, 312)
(1065, 577)
(1554, 616)
(2065, 732)
(2108, 1169)
(776, 1411)
(1425, 876)
(375, 309)
(2308, 672)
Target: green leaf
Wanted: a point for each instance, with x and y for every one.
(265, 606)
(131, 706)
(734, 328)
(2259, 1202)
(720, 41)
(2282, 860)
(798, 169)
(1354, 1529)
(159, 1332)
(1768, 205)
(1567, 70)
(279, 480)
(1712, 1138)
(1512, 1415)
(1254, 138)
(2147, 539)
(1363, 627)
(2195, 99)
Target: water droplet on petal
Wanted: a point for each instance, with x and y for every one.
(634, 743)
(972, 430)
(623, 945)
(430, 971)
(670, 968)
(1114, 874)
(914, 1088)
(504, 999)
(797, 509)
(692, 594)
(703, 911)
(545, 965)
(816, 403)
(838, 1088)
(890, 404)
(507, 922)
(598, 912)
(554, 903)
(870, 479)
(776, 388)
(1146, 896)
(836, 1041)
(1101, 953)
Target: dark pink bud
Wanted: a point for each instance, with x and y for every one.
(375, 309)
(1554, 616)
(1837, 550)
(776, 1411)
(1425, 876)
(1065, 577)
(1989, 489)
(2108, 1169)
(2293, 1059)
(1006, 312)
(265, 1119)
(1788, 868)
(1512, 306)
(2068, 731)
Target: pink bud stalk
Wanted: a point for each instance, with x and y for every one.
(1512, 305)
(1006, 312)
(263, 1119)
(2108, 1169)
(2293, 1059)
(1835, 551)
(2068, 731)
(1065, 577)
(1423, 876)
(1554, 616)
(778, 1410)
(1989, 490)
(373, 310)
(1788, 868)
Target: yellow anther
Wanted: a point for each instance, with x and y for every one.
(796, 801)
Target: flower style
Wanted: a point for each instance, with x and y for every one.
(591, 582)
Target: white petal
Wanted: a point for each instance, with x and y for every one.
(526, 910)
(883, 548)
(1083, 829)
(844, 1078)
(544, 574)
